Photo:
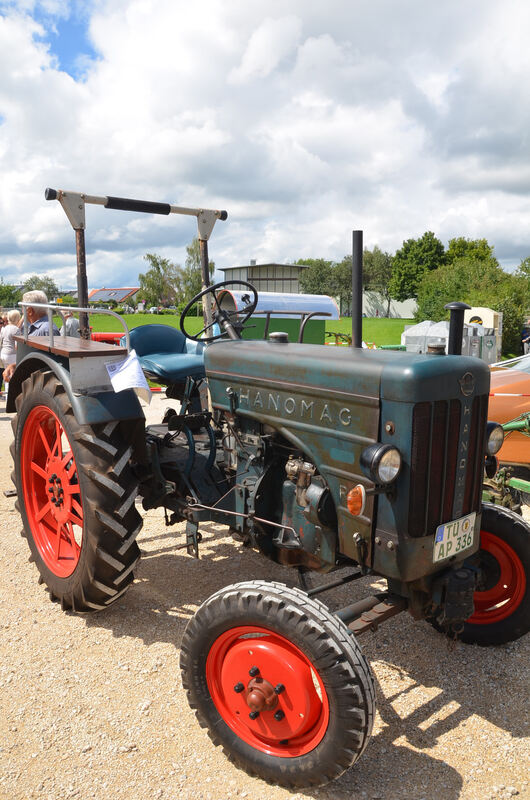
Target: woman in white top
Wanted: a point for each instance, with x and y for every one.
(8, 344)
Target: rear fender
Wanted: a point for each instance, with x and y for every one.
(88, 409)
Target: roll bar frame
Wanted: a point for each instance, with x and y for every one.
(73, 204)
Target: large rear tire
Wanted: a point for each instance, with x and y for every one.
(262, 647)
(76, 497)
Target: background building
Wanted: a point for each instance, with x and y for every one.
(120, 295)
(282, 278)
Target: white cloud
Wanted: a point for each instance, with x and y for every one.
(304, 120)
(274, 40)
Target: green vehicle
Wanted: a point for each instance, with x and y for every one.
(320, 458)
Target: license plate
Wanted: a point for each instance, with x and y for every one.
(453, 537)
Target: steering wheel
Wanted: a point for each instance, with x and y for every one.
(233, 320)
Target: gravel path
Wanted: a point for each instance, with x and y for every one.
(93, 706)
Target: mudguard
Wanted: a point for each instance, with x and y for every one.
(88, 409)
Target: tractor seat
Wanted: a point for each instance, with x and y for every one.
(165, 353)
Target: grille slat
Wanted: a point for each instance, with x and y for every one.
(436, 428)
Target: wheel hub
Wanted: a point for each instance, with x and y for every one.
(59, 499)
(266, 689)
(261, 695)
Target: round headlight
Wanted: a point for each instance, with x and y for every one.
(389, 466)
(494, 438)
(381, 463)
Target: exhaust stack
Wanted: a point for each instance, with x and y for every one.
(357, 289)
(456, 327)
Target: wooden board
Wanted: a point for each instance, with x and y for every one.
(72, 347)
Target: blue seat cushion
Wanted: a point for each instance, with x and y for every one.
(148, 339)
(165, 353)
(173, 367)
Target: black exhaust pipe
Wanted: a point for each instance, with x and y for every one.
(357, 289)
(456, 327)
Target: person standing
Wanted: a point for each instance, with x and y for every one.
(71, 325)
(2, 323)
(7, 341)
(38, 324)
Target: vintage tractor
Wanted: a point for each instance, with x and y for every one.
(321, 458)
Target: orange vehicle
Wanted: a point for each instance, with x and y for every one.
(509, 399)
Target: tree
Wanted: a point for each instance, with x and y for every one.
(523, 270)
(412, 261)
(318, 278)
(377, 273)
(341, 283)
(44, 283)
(476, 249)
(9, 296)
(478, 282)
(191, 275)
(160, 285)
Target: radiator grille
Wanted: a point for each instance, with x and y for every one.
(436, 428)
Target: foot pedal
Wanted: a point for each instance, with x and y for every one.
(192, 539)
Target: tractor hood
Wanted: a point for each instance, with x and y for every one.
(386, 374)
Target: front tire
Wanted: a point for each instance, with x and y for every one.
(76, 498)
(262, 647)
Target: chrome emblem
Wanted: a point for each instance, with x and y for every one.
(467, 384)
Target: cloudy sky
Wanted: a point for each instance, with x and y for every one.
(304, 119)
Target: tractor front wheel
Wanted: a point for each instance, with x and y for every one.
(279, 682)
(76, 497)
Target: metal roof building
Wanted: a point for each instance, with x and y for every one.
(281, 278)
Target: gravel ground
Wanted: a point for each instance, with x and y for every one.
(93, 706)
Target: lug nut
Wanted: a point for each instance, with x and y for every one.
(238, 688)
(253, 671)
(254, 714)
(279, 688)
(279, 714)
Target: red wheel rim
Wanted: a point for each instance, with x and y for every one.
(499, 601)
(303, 701)
(51, 490)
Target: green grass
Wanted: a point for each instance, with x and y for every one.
(378, 330)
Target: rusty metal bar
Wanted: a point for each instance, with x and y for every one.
(377, 609)
(82, 285)
(205, 279)
(354, 610)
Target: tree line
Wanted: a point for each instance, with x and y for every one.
(424, 270)
(162, 284)
(167, 284)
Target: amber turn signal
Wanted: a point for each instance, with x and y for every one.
(355, 500)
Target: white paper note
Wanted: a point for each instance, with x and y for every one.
(128, 374)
